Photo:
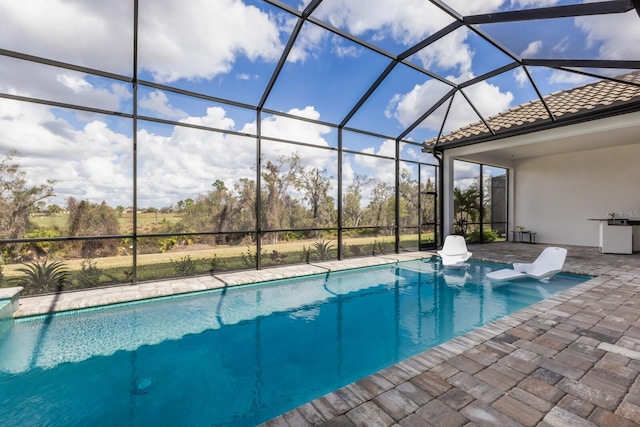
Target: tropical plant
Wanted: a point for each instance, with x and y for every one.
(324, 250)
(465, 208)
(43, 275)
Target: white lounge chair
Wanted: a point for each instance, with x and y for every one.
(454, 252)
(548, 263)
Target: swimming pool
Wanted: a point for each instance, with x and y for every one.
(242, 355)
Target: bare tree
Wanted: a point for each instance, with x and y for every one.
(277, 177)
(17, 199)
(351, 210)
(315, 185)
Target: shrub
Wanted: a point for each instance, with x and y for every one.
(185, 266)
(250, 258)
(90, 273)
(489, 236)
(277, 257)
(217, 264)
(377, 245)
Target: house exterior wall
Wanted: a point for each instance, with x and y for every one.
(559, 193)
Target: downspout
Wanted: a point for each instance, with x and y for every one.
(439, 155)
(481, 210)
(397, 192)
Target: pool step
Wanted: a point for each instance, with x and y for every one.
(9, 302)
(526, 295)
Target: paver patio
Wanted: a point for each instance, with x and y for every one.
(570, 360)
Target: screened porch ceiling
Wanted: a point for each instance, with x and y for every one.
(408, 70)
(466, 62)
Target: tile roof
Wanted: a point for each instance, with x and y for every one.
(598, 96)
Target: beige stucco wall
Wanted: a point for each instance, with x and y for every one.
(555, 195)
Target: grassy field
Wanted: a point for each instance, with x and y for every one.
(194, 259)
(145, 221)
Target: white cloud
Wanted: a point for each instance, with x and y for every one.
(383, 170)
(406, 108)
(157, 101)
(40, 81)
(187, 162)
(450, 52)
(95, 162)
(563, 77)
(90, 162)
(297, 130)
(467, 7)
(74, 31)
(406, 22)
(215, 118)
(307, 43)
(534, 3)
(532, 49)
(192, 40)
(201, 38)
(617, 35)
(562, 46)
(520, 76)
(341, 50)
(465, 174)
(75, 83)
(488, 98)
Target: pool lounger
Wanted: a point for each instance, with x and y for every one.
(548, 263)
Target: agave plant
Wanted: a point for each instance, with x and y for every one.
(42, 275)
(324, 250)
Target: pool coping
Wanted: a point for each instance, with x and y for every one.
(39, 305)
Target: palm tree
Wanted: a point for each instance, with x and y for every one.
(465, 208)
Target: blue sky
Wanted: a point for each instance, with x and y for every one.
(230, 48)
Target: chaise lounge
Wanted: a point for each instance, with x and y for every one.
(548, 263)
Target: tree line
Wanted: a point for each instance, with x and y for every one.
(292, 198)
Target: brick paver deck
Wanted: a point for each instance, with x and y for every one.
(570, 360)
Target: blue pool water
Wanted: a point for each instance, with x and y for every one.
(242, 355)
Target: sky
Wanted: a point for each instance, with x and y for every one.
(229, 49)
